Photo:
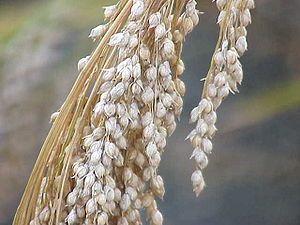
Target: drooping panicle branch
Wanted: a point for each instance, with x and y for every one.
(224, 74)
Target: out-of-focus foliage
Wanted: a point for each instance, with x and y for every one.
(253, 176)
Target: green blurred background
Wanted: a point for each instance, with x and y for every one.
(253, 177)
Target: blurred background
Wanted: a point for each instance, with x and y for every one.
(253, 175)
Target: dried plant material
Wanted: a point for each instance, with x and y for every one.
(223, 76)
(99, 163)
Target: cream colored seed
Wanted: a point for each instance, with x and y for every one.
(201, 159)
(99, 170)
(137, 70)
(223, 92)
(221, 16)
(148, 95)
(109, 11)
(231, 56)
(197, 181)
(157, 186)
(125, 74)
(201, 127)
(180, 86)
(119, 39)
(98, 32)
(151, 73)
(132, 27)
(178, 36)
(206, 145)
(133, 41)
(220, 79)
(212, 90)
(102, 218)
(246, 17)
(160, 110)
(109, 193)
(195, 114)
(117, 91)
(238, 74)
(127, 174)
(195, 17)
(160, 31)
(190, 7)
(241, 31)
(157, 218)
(72, 218)
(98, 133)
(147, 118)
(71, 199)
(82, 63)
(155, 159)
(154, 19)
(164, 69)
(53, 117)
(180, 68)
(151, 149)
(125, 202)
(122, 142)
(132, 193)
(140, 160)
(110, 109)
(187, 25)
(100, 199)
(168, 48)
(241, 45)
(137, 9)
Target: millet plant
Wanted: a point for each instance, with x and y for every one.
(99, 162)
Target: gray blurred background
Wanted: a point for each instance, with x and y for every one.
(253, 177)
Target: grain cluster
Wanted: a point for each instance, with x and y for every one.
(99, 163)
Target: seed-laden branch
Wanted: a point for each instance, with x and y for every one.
(224, 74)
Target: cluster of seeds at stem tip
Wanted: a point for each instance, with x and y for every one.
(115, 170)
(223, 76)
